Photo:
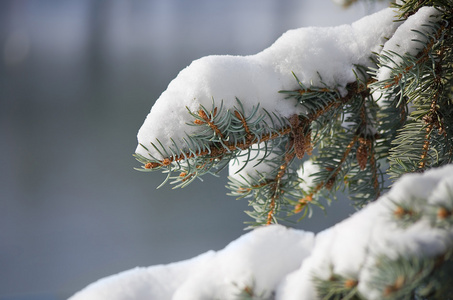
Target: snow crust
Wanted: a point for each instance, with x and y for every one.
(312, 53)
(279, 261)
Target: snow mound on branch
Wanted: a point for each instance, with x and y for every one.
(275, 258)
(247, 263)
(409, 38)
(317, 55)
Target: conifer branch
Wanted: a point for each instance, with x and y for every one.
(350, 132)
(214, 151)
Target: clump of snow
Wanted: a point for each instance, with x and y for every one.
(285, 261)
(305, 173)
(408, 39)
(248, 262)
(317, 56)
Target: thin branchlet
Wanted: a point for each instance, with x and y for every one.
(215, 151)
(276, 188)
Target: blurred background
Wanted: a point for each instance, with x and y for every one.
(77, 79)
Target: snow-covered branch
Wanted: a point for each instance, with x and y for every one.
(318, 56)
(367, 255)
(293, 97)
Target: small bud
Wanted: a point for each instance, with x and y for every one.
(399, 212)
(350, 283)
(202, 114)
(302, 203)
(298, 208)
(443, 213)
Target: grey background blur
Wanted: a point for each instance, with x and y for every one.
(77, 79)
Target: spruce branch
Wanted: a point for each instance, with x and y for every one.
(348, 131)
(223, 136)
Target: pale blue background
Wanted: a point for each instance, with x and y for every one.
(77, 79)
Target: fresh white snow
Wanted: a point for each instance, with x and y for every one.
(282, 260)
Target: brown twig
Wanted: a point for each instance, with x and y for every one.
(214, 151)
(276, 185)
